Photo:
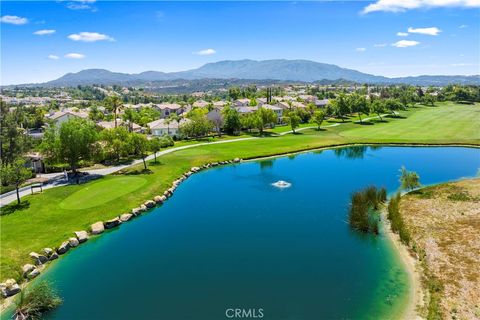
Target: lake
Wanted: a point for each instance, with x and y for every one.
(229, 239)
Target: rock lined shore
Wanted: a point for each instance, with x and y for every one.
(31, 270)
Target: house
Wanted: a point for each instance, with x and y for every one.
(241, 102)
(168, 108)
(216, 117)
(307, 98)
(164, 127)
(59, 117)
(261, 101)
(200, 104)
(219, 104)
(111, 124)
(321, 103)
(246, 110)
(278, 111)
(290, 104)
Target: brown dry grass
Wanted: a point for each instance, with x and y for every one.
(444, 221)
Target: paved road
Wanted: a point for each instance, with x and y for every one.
(58, 179)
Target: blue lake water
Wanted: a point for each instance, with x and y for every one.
(229, 239)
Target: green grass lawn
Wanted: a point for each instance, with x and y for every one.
(47, 219)
(99, 192)
(427, 124)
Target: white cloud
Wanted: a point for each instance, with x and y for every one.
(432, 31)
(380, 45)
(206, 52)
(405, 43)
(404, 5)
(74, 56)
(402, 34)
(361, 49)
(16, 20)
(461, 64)
(89, 37)
(463, 26)
(81, 5)
(44, 32)
(53, 57)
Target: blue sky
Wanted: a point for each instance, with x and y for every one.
(138, 36)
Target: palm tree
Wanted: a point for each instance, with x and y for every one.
(113, 104)
(129, 117)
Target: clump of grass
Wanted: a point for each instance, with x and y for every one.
(396, 219)
(435, 290)
(459, 196)
(364, 207)
(38, 300)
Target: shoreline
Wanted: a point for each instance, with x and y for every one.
(416, 293)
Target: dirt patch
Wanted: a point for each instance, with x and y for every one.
(444, 222)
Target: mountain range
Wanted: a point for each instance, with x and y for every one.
(280, 70)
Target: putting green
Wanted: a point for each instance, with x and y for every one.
(101, 192)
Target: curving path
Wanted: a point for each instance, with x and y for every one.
(58, 180)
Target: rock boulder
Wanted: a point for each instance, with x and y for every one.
(112, 223)
(125, 217)
(73, 242)
(82, 236)
(27, 268)
(38, 258)
(9, 288)
(149, 204)
(63, 247)
(32, 274)
(97, 227)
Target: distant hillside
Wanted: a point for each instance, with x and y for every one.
(280, 70)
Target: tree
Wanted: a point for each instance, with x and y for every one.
(231, 120)
(378, 107)
(117, 142)
(234, 93)
(141, 146)
(318, 117)
(95, 114)
(264, 117)
(155, 146)
(405, 98)
(393, 105)
(293, 119)
(129, 117)
(198, 126)
(113, 103)
(15, 174)
(429, 99)
(340, 106)
(49, 147)
(13, 141)
(75, 141)
(358, 104)
(409, 180)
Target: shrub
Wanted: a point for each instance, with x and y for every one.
(363, 214)
(36, 301)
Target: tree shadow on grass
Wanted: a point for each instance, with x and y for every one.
(138, 172)
(364, 123)
(11, 208)
(397, 116)
(155, 164)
